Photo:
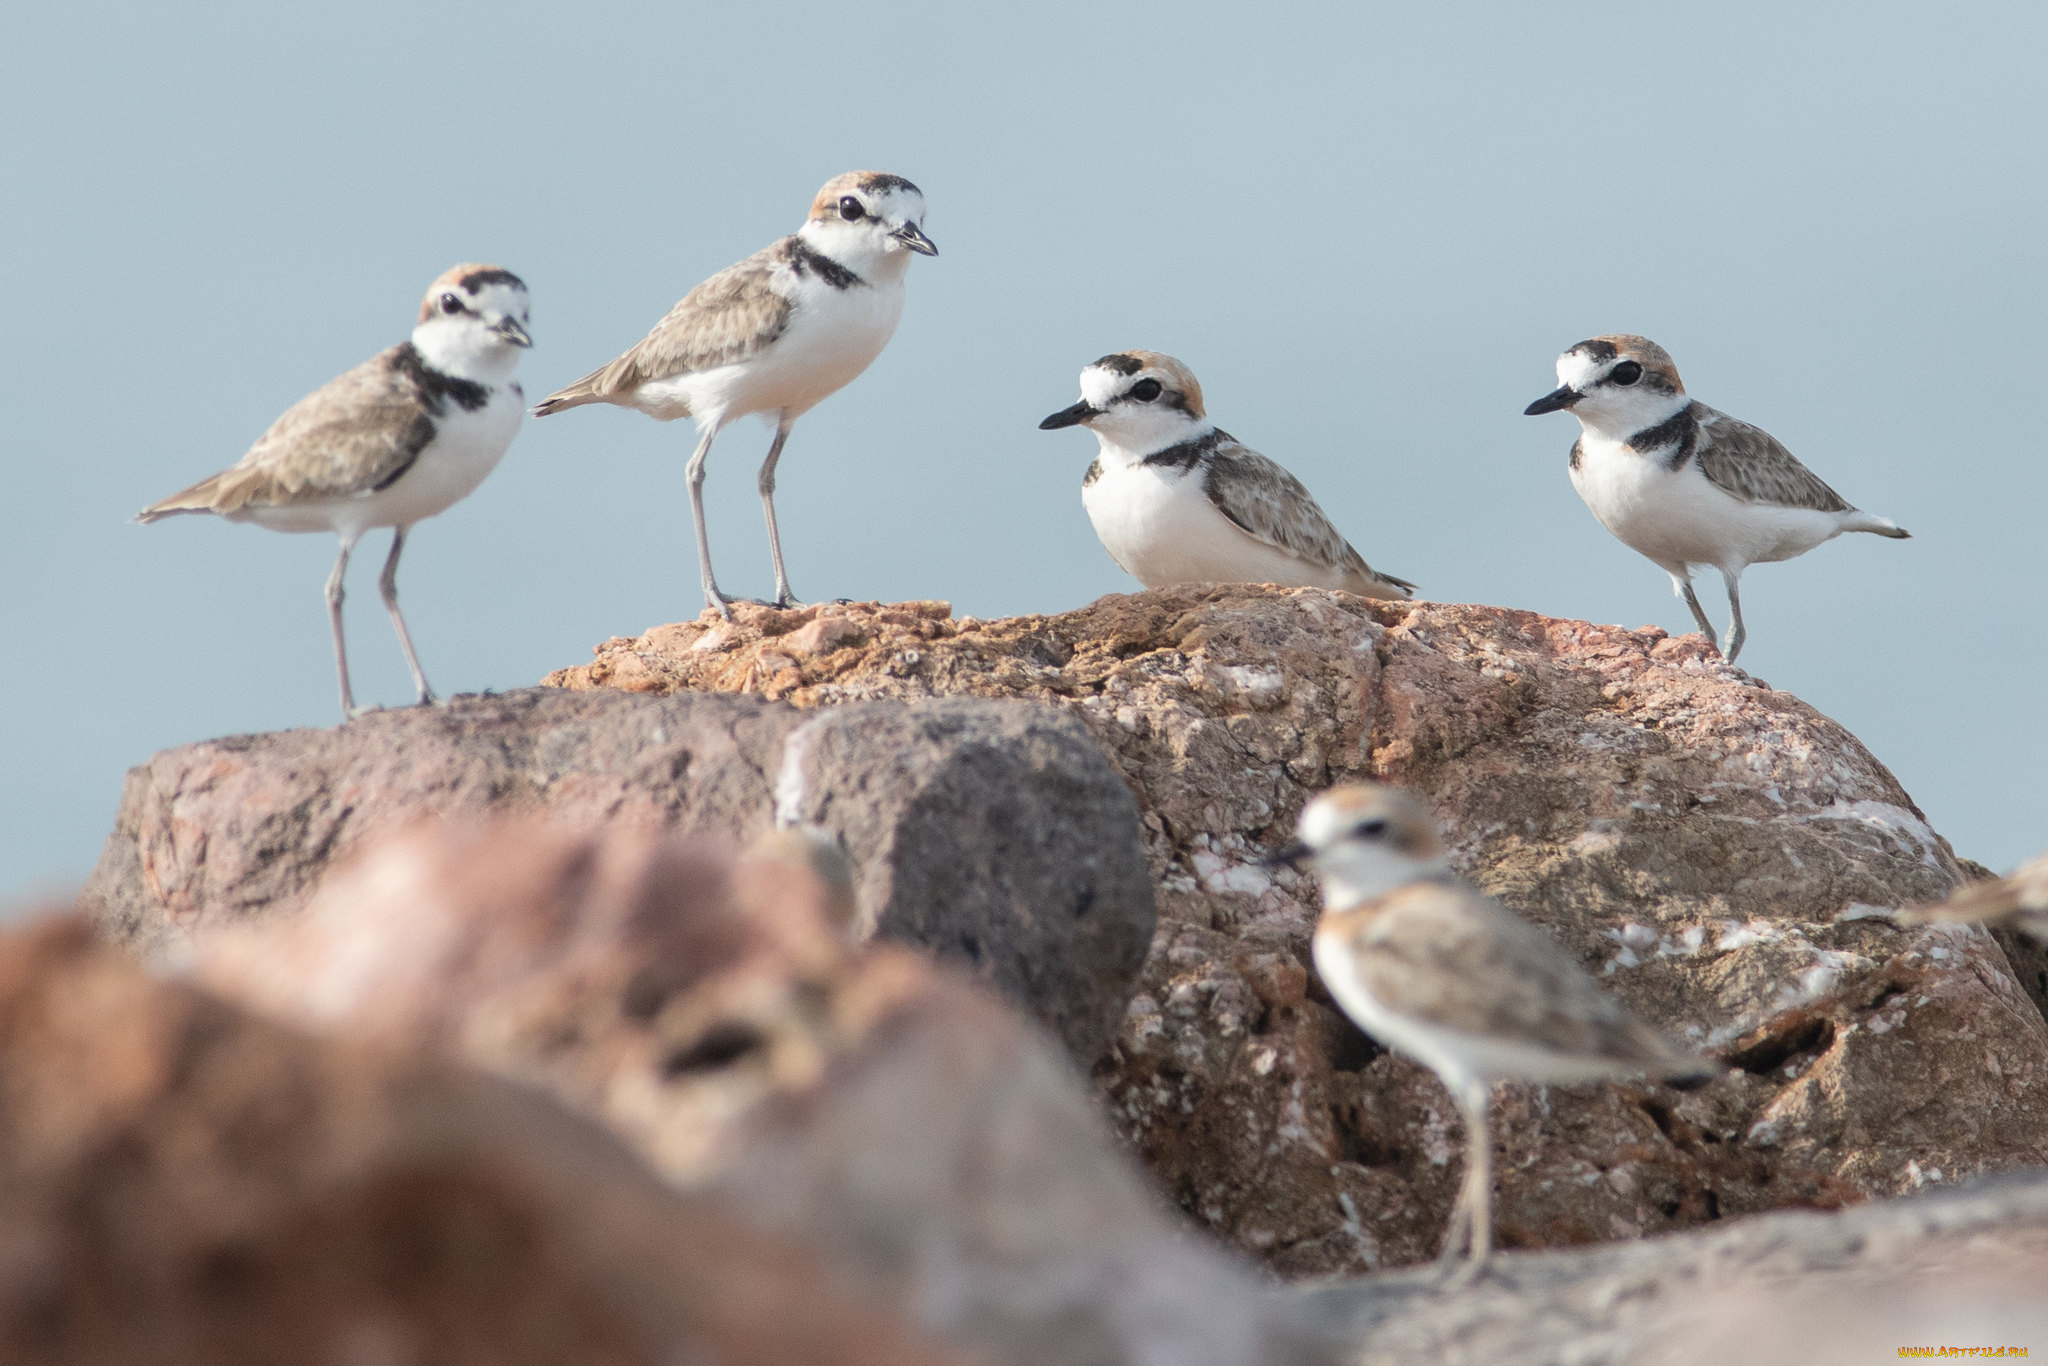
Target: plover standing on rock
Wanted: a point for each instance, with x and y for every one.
(404, 435)
(775, 334)
(1453, 979)
(1685, 485)
(1174, 500)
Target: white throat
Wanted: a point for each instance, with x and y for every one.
(466, 349)
(874, 256)
(1353, 874)
(1618, 414)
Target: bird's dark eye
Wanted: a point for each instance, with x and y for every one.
(1145, 390)
(1371, 830)
(450, 304)
(850, 209)
(1628, 372)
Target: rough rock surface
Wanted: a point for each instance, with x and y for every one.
(995, 834)
(182, 1182)
(921, 1137)
(1958, 1268)
(1717, 851)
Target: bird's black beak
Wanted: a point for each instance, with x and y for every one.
(1070, 417)
(1289, 855)
(1557, 400)
(511, 330)
(912, 236)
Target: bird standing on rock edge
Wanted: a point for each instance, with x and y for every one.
(775, 334)
(1175, 500)
(1454, 980)
(401, 437)
(1685, 485)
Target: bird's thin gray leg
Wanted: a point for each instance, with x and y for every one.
(1736, 634)
(1699, 613)
(334, 596)
(783, 597)
(695, 474)
(387, 583)
(1475, 1194)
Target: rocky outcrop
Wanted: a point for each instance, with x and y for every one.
(992, 833)
(1720, 853)
(928, 1144)
(181, 1182)
(1957, 1269)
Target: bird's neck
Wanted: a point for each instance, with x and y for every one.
(1125, 444)
(1617, 422)
(1353, 881)
(465, 352)
(876, 263)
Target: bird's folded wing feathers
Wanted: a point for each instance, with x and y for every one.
(729, 318)
(1749, 463)
(351, 436)
(1274, 507)
(1445, 955)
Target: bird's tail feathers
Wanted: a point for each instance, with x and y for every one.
(203, 496)
(1877, 526)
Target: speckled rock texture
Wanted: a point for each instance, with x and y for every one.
(183, 1183)
(994, 833)
(1955, 1268)
(1719, 853)
(934, 1149)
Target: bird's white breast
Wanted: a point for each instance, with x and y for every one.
(1678, 517)
(1157, 522)
(833, 334)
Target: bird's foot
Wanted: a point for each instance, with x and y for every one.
(428, 699)
(1462, 1273)
(355, 713)
(786, 600)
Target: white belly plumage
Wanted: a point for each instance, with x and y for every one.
(1159, 525)
(833, 335)
(1679, 517)
(466, 447)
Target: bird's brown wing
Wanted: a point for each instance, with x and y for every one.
(1443, 954)
(353, 435)
(1749, 463)
(1274, 507)
(730, 317)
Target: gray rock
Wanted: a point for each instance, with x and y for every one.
(994, 833)
(1965, 1267)
(1005, 817)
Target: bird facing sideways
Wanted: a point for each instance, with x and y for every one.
(1685, 485)
(1454, 980)
(774, 335)
(1175, 500)
(403, 436)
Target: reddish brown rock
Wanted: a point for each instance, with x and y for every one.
(995, 834)
(929, 1144)
(183, 1183)
(1717, 851)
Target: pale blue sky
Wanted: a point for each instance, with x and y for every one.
(1369, 230)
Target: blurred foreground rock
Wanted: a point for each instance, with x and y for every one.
(1961, 1269)
(995, 834)
(182, 1183)
(928, 1143)
(1719, 852)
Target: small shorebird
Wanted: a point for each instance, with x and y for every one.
(1174, 500)
(406, 434)
(2020, 901)
(775, 335)
(1685, 485)
(1456, 981)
